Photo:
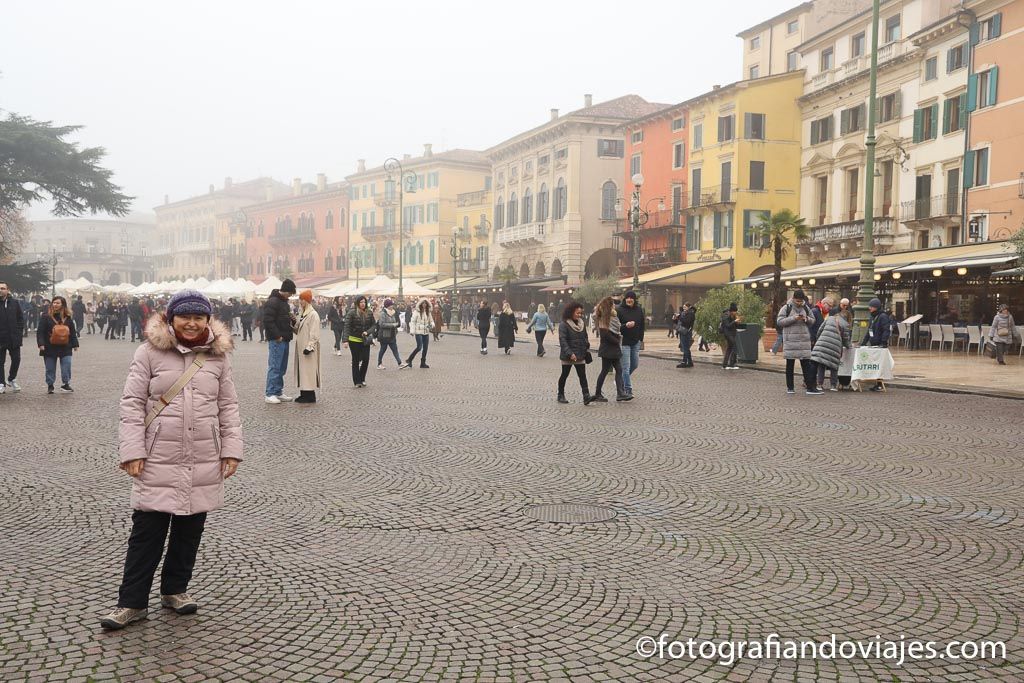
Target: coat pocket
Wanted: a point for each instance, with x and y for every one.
(216, 438)
(156, 434)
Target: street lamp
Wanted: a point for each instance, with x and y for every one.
(453, 324)
(53, 274)
(356, 259)
(637, 218)
(394, 167)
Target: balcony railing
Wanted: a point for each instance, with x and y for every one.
(657, 220)
(712, 196)
(375, 233)
(286, 236)
(386, 198)
(532, 232)
(930, 207)
(472, 198)
(847, 230)
(467, 266)
(481, 230)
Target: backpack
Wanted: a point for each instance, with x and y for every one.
(60, 335)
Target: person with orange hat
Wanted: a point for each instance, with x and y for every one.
(307, 349)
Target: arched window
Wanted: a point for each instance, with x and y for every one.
(328, 260)
(513, 210)
(527, 206)
(609, 193)
(329, 221)
(542, 203)
(561, 200)
(499, 214)
(524, 270)
(340, 260)
(556, 267)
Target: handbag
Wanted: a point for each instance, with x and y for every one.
(589, 358)
(176, 388)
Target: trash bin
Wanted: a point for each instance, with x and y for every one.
(747, 341)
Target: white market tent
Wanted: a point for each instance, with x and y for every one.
(382, 285)
(264, 288)
(343, 288)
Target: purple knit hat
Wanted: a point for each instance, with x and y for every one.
(189, 301)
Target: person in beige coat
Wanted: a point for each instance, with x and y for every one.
(307, 349)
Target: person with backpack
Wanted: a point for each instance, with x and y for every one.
(57, 339)
(729, 323)
(539, 324)
(1003, 333)
(795, 319)
(387, 334)
(684, 323)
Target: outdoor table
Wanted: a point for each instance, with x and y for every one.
(867, 364)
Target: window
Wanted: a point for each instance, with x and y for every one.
(561, 200)
(678, 154)
(828, 60)
(609, 193)
(976, 168)
(677, 202)
(695, 187)
(636, 137)
(982, 89)
(564, 152)
(889, 107)
(726, 177)
(725, 127)
(433, 251)
(756, 175)
(821, 130)
(432, 212)
(755, 71)
(755, 43)
(544, 160)
(433, 179)
(611, 148)
(954, 113)
(852, 120)
(956, 58)
(822, 189)
(793, 26)
(328, 260)
(487, 183)
(542, 203)
(791, 60)
(857, 44)
(753, 126)
(892, 29)
(852, 178)
(926, 123)
(931, 68)
(527, 206)
(752, 238)
(528, 167)
(634, 165)
(723, 229)
(692, 233)
(990, 28)
(513, 210)
(698, 136)
(677, 124)
(499, 214)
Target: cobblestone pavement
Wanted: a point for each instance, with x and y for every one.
(381, 534)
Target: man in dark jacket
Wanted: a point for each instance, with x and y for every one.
(78, 313)
(731, 321)
(684, 329)
(246, 310)
(12, 330)
(135, 317)
(277, 325)
(880, 327)
(631, 315)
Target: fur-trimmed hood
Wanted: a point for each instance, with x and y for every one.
(160, 335)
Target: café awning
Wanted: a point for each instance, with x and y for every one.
(447, 283)
(694, 273)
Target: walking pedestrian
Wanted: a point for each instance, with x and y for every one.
(833, 338)
(728, 326)
(336, 319)
(539, 323)
(631, 315)
(359, 325)
(257, 320)
(178, 447)
(246, 311)
(12, 331)
(702, 344)
(57, 339)
(277, 324)
(78, 313)
(421, 324)
(507, 328)
(307, 349)
(483, 324)
(795, 319)
(684, 330)
(574, 349)
(1003, 333)
(610, 349)
(387, 334)
(435, 312)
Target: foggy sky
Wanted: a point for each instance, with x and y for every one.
(185, 93)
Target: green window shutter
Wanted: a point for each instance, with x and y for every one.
(972, 92)
(814, 132)
(962, 102)
(844, 122)
(975, 32)
(997, 25)
(968, 169)
(935, 120)
(949, 60)
(918, 124)
(993, 84)
(945, 115)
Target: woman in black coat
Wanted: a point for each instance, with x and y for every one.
(574, 349)
(483, 324)
(507, 328)
(606, 320)
(56, 344)
(335, 318)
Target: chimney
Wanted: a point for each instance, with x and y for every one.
(554, 114)
(227, 183)
(588, 100)
(167, 199)
(321, 182)
(212, 190)
(296, 187)
(428, 150)
(715, 87)
(361, 166)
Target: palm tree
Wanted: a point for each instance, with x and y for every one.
(507, 275)
(778, 232)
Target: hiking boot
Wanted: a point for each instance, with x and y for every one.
(562, 398)
(121, 617)
(181, 603)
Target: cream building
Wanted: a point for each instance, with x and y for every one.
(107, 252)
(555, 188)
(834, 124)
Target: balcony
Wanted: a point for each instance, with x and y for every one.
(710, 197)
(660, 221)
(854, 66)
(481, 230)
(943, 207)
(386, 199)
(651, 258)
(472, 198)
(292, 236)
(819, 81)
(521, 234)
(380, 233)
(844, 239)
(471, 266)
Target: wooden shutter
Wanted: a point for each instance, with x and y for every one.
(747, 125)
(935, 120)
(993, 83)
(975, 33)
(814, 132)
(997, 25)
(949, 60)
(918, 124)
(897, 104)
(844, 122)
(969, 169)
(972, 92)
(946, 113)
(830, 123)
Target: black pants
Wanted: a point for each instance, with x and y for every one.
(729, 359)
(360, 360)
(808, 370)
(540, 334)
(146, 545)
(703, 345)
(337, 338)
(262, 335)
(246, 330)
(484, 329)
(607, 364)
(581, 372)
(15, 352)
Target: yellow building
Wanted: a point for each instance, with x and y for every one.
(744, 160)
(425, 212)
(473, 212)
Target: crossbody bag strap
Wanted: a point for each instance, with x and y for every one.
(176, 388)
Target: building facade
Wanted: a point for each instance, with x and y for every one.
(414, 222)
(302, 236)
(474, 218)
(186, 230)
(556, 188)
(993, 167)
(107, 252)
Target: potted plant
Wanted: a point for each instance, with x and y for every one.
(751, 309)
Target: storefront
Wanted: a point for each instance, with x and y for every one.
(666, 289)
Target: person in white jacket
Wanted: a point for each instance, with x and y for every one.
(421, 325)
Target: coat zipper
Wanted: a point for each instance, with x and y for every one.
(153, 443)
(216, 439)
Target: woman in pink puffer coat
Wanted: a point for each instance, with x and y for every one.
(179, 462)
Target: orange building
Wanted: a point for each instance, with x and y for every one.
(302, 236)
(993, 177)
(655, 148)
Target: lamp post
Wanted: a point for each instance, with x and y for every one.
(392, 167)
(53, 274)
(355, 258)
(453, 324)
(866, 286)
